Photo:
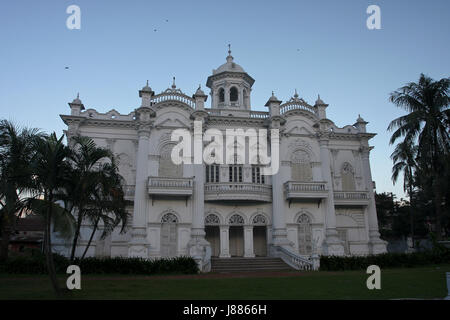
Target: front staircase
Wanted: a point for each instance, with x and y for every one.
(259, 264)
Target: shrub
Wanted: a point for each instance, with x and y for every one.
(90, 265)
(385, 260)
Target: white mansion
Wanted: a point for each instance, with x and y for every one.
(321, 201)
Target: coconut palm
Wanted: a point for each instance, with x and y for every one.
(427, 104)
(404, 159)
(50, 168)
(16, 151)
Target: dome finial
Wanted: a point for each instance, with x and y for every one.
(295, 94)
(229, 57)
(173, 83)
(78, 95)
(147, 83)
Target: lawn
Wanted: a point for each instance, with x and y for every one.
(425, 282)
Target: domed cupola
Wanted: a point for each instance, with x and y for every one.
(230, 86)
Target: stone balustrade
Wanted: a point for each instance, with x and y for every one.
(170, 186)
(238, 191)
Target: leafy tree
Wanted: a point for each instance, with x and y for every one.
(426, 123)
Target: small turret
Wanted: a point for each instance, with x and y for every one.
(146, 94)
(321, 107)
(200, 98)
(274, 105)
(360, 124)
(76, 106)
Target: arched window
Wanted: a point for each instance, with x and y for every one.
(259, 219)
(212, 220)
(166, 166)
(304, 235)
(169, 235)
(221, 95)
(236, 219)
(301, 166)
(348, 177)
(233, 94)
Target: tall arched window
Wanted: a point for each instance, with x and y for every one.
(166, 166)
(304, 235)
(221, 95)
(301, 166)
(233, 94)
(169, 235)
(348, 177)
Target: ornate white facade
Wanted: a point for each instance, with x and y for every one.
(321, 201)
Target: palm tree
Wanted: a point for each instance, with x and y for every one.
(404, 158)
(86, 158)
(427, 122)
(51, 170)
(16, 151)
(107, 203)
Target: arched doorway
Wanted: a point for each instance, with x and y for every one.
(236, 235)
(212, 231)
(304, 235)
(169, 235)
(260, 235)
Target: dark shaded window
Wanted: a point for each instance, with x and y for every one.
(212, 173)
(235, 173)
(221, 95)
(233, 94)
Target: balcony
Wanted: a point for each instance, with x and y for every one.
(351, 198)
(295, 190)
(172, 187)
(238, 191)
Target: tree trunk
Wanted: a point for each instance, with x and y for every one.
(48, 251)
(90, 238)
(77, 234)
(438, 206)
(6, 234)
(411, 214)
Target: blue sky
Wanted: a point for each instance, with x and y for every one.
(312, 46)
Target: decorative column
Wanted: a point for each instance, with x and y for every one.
(376, 245)
(248, 242)
(198, 247)
(279, 232)
(224, 242)
(227, 94)
(332, 245)
(139, 246)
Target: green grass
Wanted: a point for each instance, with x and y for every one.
(425, 282)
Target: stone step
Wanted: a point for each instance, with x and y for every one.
(224, 265)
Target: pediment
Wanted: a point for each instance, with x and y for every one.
(169, 122)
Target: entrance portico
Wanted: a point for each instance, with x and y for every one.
(235, 238)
